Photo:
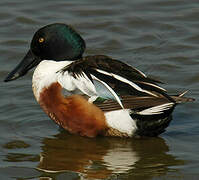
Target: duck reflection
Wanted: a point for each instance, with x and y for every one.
(101, 158)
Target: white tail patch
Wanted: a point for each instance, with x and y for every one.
(156, 109)
(121, 120)
(120, 78)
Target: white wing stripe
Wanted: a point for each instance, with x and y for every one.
(154, 85)
(126, 81)
(140, 72)
(156, 109)
(103, 72)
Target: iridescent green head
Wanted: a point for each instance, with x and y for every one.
(56, 42)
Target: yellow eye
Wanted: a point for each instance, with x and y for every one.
(41, 39)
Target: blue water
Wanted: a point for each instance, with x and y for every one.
(160, 38)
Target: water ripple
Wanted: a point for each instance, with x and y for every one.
(158, 37)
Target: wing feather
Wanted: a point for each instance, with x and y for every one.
(81, 82)
(112, 74)
(124, 80)
(131, 102)
(110, 90)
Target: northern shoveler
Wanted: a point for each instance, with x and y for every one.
(102, 96)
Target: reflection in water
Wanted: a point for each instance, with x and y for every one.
(103, 157)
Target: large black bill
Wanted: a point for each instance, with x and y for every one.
(28, 62)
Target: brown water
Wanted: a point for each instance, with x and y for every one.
(161, 38)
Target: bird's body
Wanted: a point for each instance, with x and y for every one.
(74, 112)
(102, 96)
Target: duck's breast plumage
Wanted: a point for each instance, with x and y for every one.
(45, 74)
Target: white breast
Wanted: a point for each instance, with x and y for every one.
(45, 74)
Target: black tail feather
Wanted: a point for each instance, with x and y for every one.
(181, 99)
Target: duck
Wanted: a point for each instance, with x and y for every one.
(93, 95)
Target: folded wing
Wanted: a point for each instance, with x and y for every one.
(114, 81)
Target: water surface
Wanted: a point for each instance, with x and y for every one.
(161, 38)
